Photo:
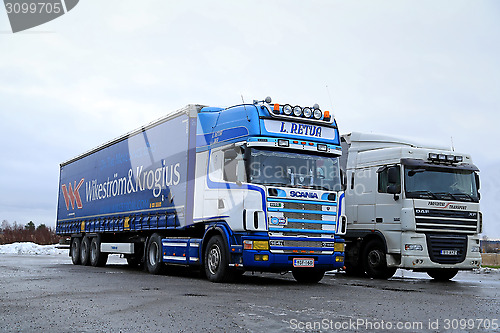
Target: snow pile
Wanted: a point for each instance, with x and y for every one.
(31, 249)
(486, 270)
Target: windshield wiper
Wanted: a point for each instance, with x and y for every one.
(276, 184)
(446, 194)
(422, 192)
(468, 196)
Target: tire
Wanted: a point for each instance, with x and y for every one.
(97, 258)
(75, 251)
(442, 274)
(85, 251)
(375, 262)
(308, 276)
(216, 261)
(154, 261)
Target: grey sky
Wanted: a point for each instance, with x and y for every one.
(422, 69)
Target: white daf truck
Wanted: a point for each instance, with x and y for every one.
(409, 206)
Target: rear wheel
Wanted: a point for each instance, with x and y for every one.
(442, 274)
(306, 275)
(217, 262)
(75, 251)
(85, 251)
(97, 258)
(375, 262)
(154, 261)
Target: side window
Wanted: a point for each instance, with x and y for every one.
(389, 179)
(234, 166)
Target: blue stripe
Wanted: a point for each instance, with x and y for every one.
(312, 221)
(300, 211)
(304, 201)
(306, 231)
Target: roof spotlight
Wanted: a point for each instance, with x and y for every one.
(317, 114)
(287, 109)
(307, 112)
(297, 111)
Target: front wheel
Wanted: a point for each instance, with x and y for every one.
(375, 262)
(306, 275)
(217, 262)
(442, 274)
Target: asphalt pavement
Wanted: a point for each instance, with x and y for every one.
(49, 294)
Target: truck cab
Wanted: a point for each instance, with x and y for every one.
(410, 206)
(268, 175)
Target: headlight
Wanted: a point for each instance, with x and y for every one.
(413, 247)
(475, 249)
(297, 111)
(307, 112)
(287, 109)
(317, 114)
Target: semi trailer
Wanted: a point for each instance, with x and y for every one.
(252, 187)
(409, 205)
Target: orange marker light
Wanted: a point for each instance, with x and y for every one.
(276, 107)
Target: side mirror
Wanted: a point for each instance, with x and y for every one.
(393, 175)
(478, 183)
(343, 179)
(393, 189)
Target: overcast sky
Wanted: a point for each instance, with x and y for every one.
(420, 69)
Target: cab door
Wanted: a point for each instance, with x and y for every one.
(389, 205)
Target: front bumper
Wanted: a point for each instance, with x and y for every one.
(279, 262)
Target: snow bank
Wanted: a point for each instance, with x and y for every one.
(30, 248)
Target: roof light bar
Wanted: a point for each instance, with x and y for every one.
(442, 158)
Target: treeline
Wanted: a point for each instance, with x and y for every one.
(41, 235)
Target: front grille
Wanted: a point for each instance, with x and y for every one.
(302, 206)
(436, 243)
(433, 220)
(293, 243)
(302, 216)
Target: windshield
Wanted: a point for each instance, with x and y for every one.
(280, 168)
(441, 184)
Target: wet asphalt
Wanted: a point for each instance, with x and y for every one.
(49, 294)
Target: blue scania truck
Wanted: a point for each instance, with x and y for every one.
(252, 187)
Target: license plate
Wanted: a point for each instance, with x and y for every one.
(449, 252)
(303, 262)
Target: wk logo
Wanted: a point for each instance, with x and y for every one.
(72, 195)
(26, 14)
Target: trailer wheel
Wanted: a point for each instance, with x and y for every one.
(154, 261)
(97, 258)
(442, 274)
(85, 251)
(375, 261)
(216, 261)
(305, 275)
(75, 251)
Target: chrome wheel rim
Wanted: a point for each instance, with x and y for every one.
(214, 259)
